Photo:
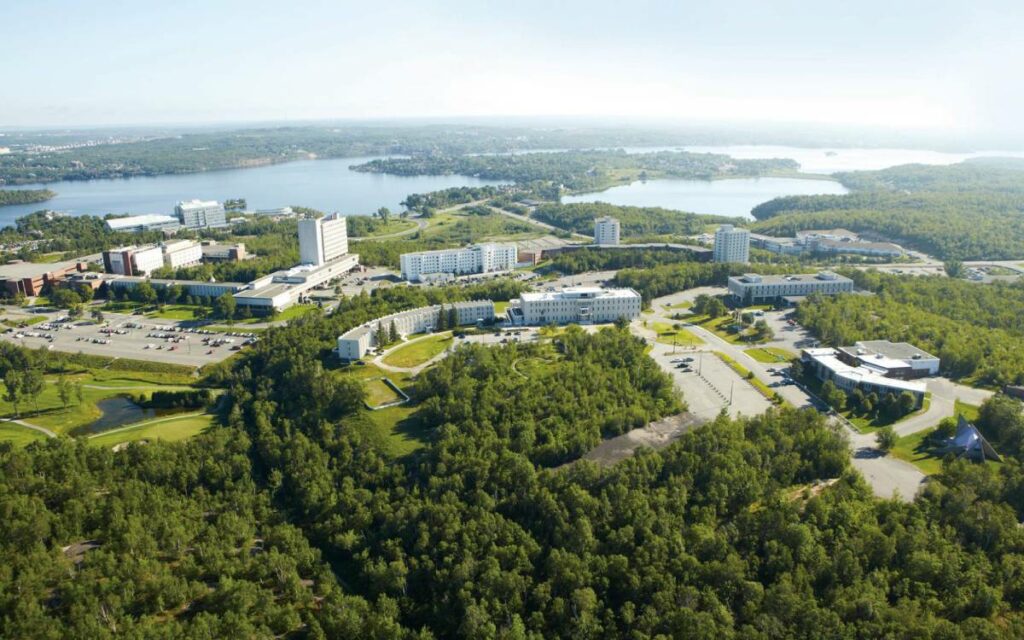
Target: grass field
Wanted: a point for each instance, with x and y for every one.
(378, 393)
(770, 355)
(970, 412)
(394, 225)
(668, 334)
(500, 308)
(52, 415)
(175, 312)
(19, 435)
(392, 430)
(22, 321)
(418, 351)
(168, 429)
(718, 327)
(915, 450)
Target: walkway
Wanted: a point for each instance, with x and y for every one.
(421, 224)
(538, 223)
(43, 430)
(146, 423)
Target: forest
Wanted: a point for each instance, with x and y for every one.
(664, 279)
(579, 171)
(24, 196)
(967, 211)
(582, 260)
(634, 221)
(285, 522)
(974, 329)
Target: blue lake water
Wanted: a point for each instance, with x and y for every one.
(328, 185)
(733, 197)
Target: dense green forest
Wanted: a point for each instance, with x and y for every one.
(579, 171)
(634, 221)
(664, 279)
(285, 522)
(583, 260)
(975, 329)
(78, 235)
(966, 211)
(24, 196)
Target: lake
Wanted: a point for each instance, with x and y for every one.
(328, 185)
(732, 197)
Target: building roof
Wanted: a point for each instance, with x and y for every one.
(197, 204)
(578, 292)
(896, 350)
(148, 219)
(823, 276)
(857, 244)
(839, 233)
(21, 270)
(860, 375)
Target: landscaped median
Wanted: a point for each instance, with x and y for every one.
(675, 335)
(747, 375)
(770, 355)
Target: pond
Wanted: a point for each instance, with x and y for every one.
(117, 412)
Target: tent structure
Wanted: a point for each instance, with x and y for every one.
(969, 443)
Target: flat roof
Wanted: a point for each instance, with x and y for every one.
(895, 350)
(578, 292)
(198, 203)
(19, 270)
(860, 244)
(828, 359)
(144, 219)
(798, 277)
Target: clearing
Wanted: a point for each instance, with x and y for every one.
(418, 351)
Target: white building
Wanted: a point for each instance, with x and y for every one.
(201, 214)
(606, 231)
(891, 359)
(732, 244)
(133, 261)
(355, 343)
(869, 374)
(479, 258)
(322, 239)
(574, 304)
(148, 222)
(182, 253)
(280, 212)
(752, 288)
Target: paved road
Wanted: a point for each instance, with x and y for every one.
(28, 425)
(421, 224)
(538, 223)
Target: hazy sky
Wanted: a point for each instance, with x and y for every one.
(931, 64)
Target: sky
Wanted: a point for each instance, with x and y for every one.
(929, 65)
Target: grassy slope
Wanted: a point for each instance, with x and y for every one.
(169, 429)
(419, 351)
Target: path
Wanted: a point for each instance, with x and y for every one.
(538, 223)
(421, 224)
(147, 423)
(29, 425)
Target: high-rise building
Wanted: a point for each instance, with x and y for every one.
(201, 214)
(322, 239)
(732, 244)
(478, 258)
(133, 261)
(182, 253)
(606, 231)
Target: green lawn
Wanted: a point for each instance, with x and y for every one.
(685, 304)
(745, 373)
(668, 334)
(770, 355)
(168, 429)
(915, 450)
(419, 351)
(394, 430)
(970, 412)
(19, 435)
(378, 393)
(394, 225)
(718, 327)
(52, 415)
(175, 312)
(290, 313)
(500, 308)
(14, 323)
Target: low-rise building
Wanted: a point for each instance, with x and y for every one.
(29, 278)
(891, 359)
(480, 258)
(752, 288)
(147, 222)
(826, 364)
(216, 252)
(357, 342)
(583, 305)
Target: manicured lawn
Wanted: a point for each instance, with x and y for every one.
(378, 393)
(290, 313)
(500, 307)
(19, 435)
(668, 334)
(915, 450)
(970, 412)
(419, 351)
(168, 429)
(175, 312)
(685, 304)
(718, 327)
(770, 355)
(744, 373)
(14, 323)
(52, 415)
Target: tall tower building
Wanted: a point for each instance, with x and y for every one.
(322, 239)
(606, 231)
(732, 244)
(201, 214)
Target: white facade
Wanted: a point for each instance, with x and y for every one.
(355, 343)
(732, 244)
(182, 253)
(148, 222)
(606, 231)
(322, 239)
(826, 365)
(575, 304)
(479, 258)
(201, 214)
(752, 288)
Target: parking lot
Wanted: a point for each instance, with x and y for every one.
(134, 337)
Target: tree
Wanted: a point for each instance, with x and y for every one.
(886, 439)
(384, 213)
(14, 389)
(144, 293)
(442, 319)
(954, 268)
(381, 335)
(33, 384)
(224, 306)
(64, 391)
(393, 332)
(906, 403)
(97, 315)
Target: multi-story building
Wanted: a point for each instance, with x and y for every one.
(133, 261)
(182, 253)
(281, 212)
(574, 304)
(752, 288)
(479, 258)
(606, 231)
(322, 239)
(215, 252)
(355, 343)
(876, 366)
(29, 278)
(148, 222)
(201, 214)
(732, 244)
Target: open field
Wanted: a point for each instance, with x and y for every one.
(669, 334)
(418, 351)
(770, 355)
(18, 435)
(169, 429)
(378, 393)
